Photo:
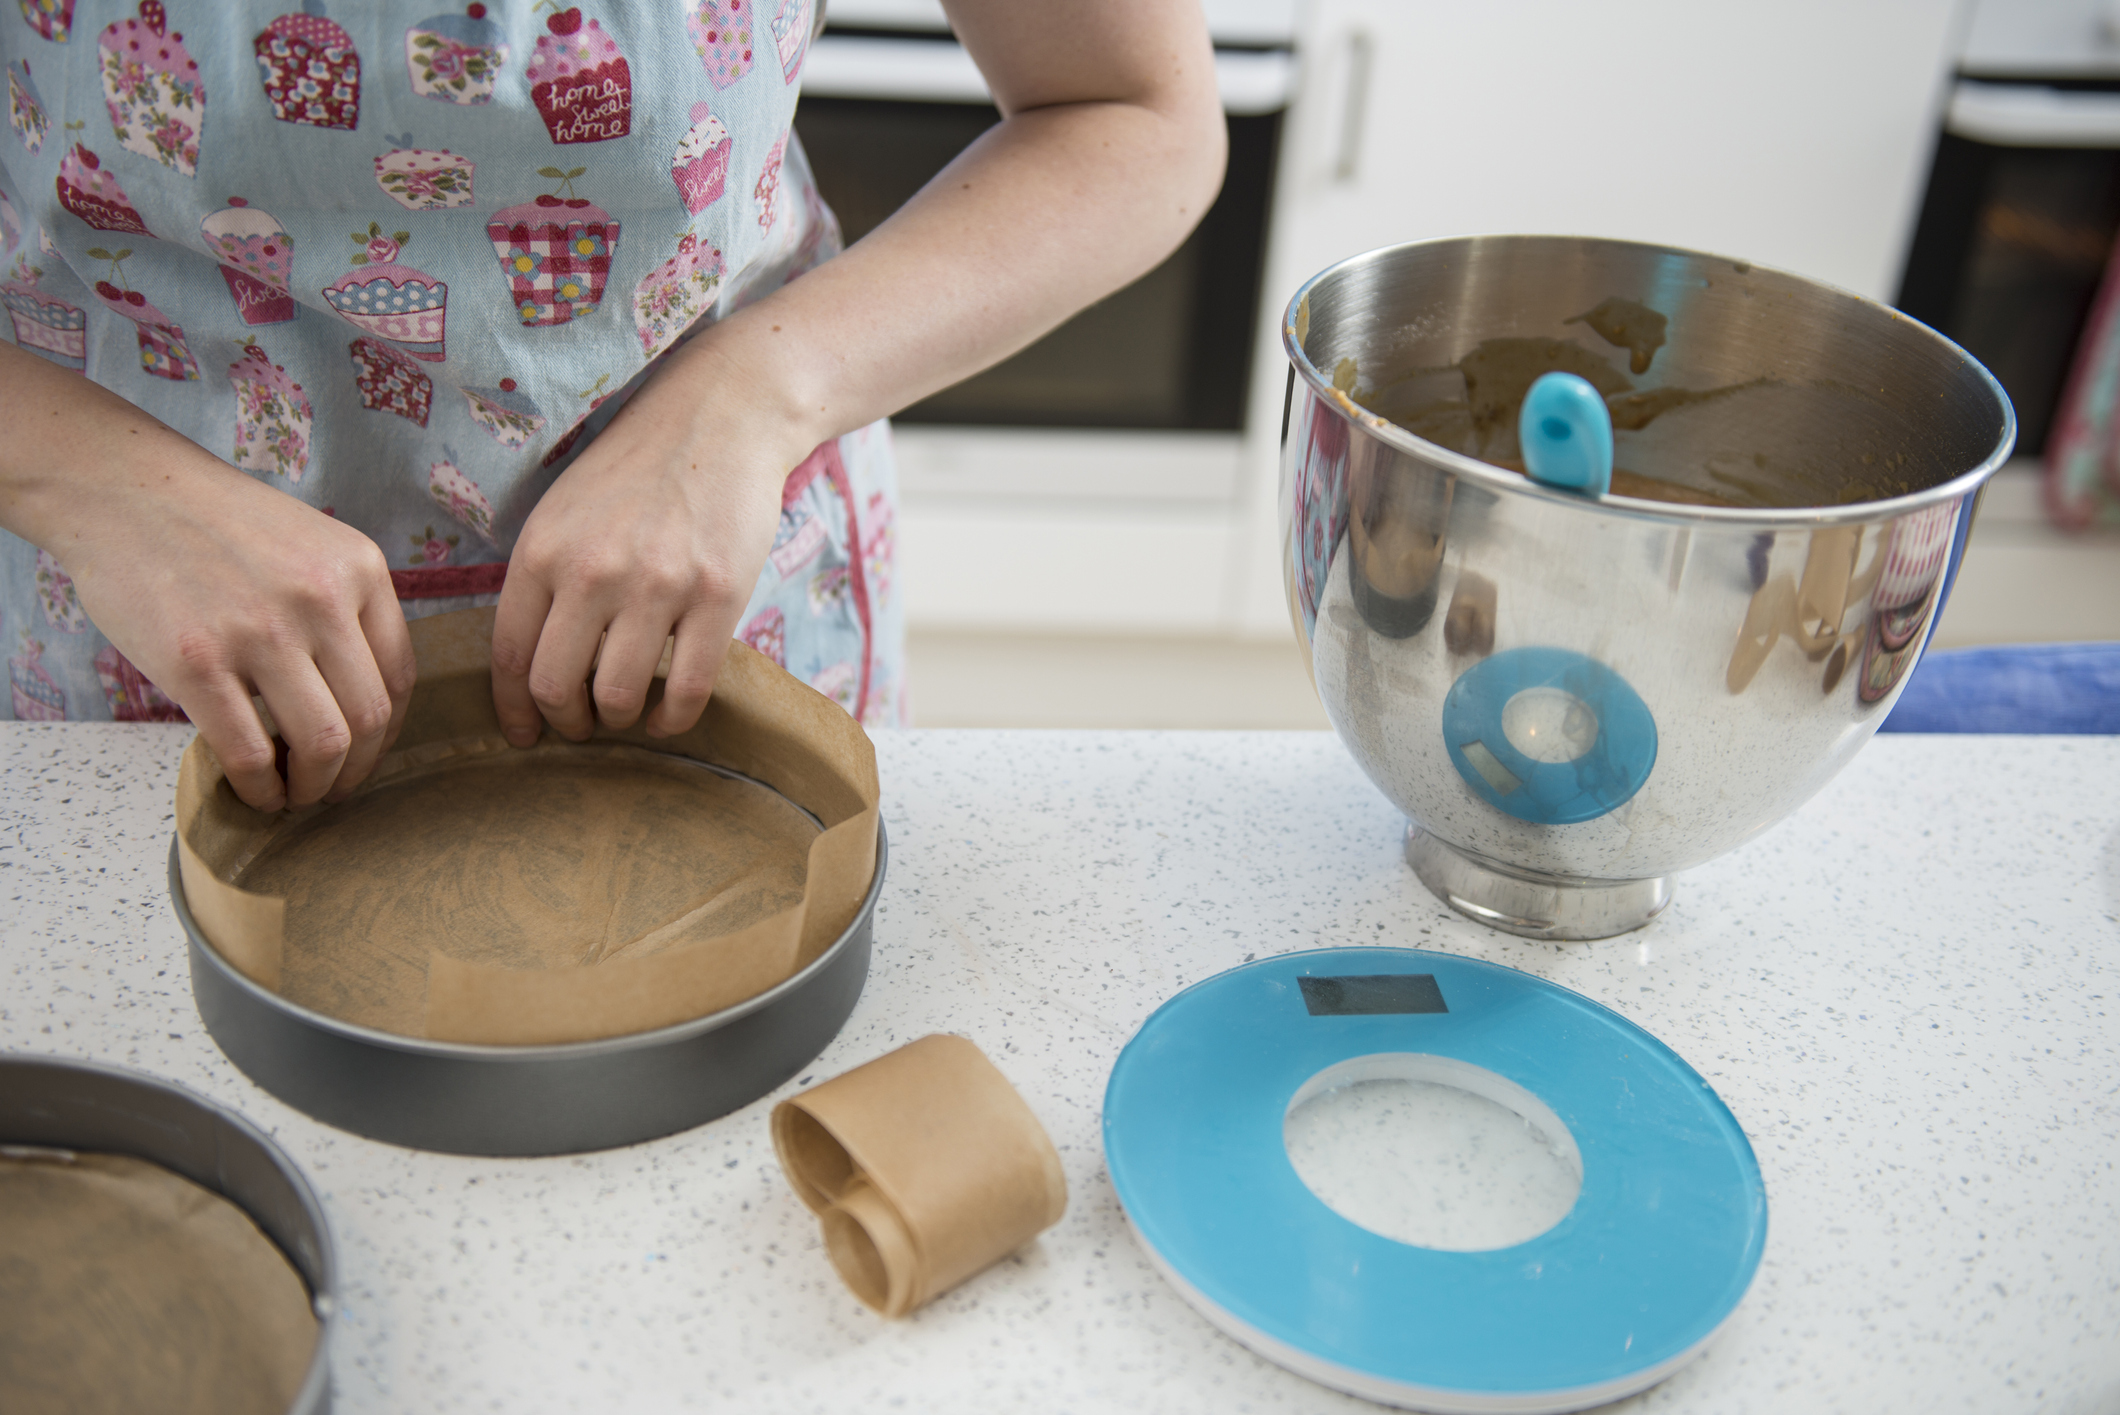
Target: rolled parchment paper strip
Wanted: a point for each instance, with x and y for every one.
(925, 1167)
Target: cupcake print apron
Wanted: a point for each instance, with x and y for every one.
(405, 265)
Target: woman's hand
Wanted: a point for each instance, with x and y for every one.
(217, 587)
(229, 589)
(659, 528)
(1109, 150)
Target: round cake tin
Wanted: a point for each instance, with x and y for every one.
(63, 1104)
(529, 1100)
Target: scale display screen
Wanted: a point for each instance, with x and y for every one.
(1371, 994)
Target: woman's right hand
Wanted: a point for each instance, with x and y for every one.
(216, 586)
(219, 588)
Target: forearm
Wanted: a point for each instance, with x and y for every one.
(1110, 148)
(68, 445)
(1057, 206)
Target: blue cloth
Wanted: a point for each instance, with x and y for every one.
(2036, 688)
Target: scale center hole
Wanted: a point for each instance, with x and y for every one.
(1433, 1151)
(1549, 725)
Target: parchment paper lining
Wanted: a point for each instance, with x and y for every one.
(125, 1286)
(603, 906)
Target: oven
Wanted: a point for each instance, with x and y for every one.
(2022, 208)
(1145, 394)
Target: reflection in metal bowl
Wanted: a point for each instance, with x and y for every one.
(1800, 469)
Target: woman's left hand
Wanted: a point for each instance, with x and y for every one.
(1110, 147)
(659, 528)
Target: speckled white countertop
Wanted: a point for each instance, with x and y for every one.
(1906, 993)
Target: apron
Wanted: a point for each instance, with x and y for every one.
(406, 266)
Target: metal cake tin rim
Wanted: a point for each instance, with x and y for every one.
(314, 1395)
(1493, 478)
(543, 1051)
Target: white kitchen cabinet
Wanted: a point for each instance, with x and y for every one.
(1795, 134)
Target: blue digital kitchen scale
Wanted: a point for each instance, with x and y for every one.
(1658, 1250)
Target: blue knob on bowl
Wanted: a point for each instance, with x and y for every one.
(1565, 432)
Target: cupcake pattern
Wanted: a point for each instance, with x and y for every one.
(766, 195)
(675, 294)
(841, 683)
(273, 417)
(257, 260)
(1320, 504)
(152, 88)
(555, 252)
(95, 195)
(54, 19)
(791, 36)
(796, 542)
(458, 495)
(44, 324)
(57, 597)
(422, 180)
(163, 352)
(565, 444)
(389, 382)
(455, 58)
(130, 696)
(506, 413)
(721, 36)
(1914, 561)
(1905, 597)
(700, 166)
(310, 70)
(25, 108)
(36, 697)
(580, 82)
(879, 548)
(707, 141)
(392, 301)
(827, 591)
(768, 633)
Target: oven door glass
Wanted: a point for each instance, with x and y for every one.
(2007, 256)
(1172, 350)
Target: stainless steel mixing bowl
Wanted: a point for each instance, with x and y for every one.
(1573, 699)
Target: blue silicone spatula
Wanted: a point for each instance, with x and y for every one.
(1565, 432)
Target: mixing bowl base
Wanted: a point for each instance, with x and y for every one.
(1530, 904)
